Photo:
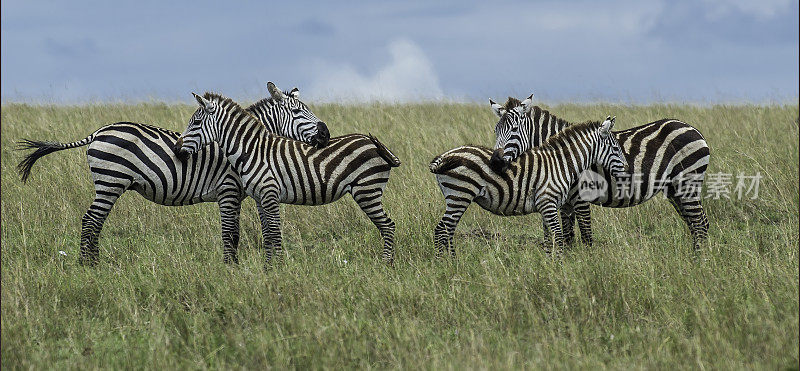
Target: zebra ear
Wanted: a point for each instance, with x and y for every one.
(527, 104)
(605, 128)
(295, 93)
(203, 102)
(498, 109)
(276, 93)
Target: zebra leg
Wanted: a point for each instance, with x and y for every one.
(446, 228)
(546, 241)
(370, 202)
(700, 233)
(229, 208)
(440, 238)
(263, 221)
(582, 212)
(550, 218)
(92, 221)
(693, 214)
(270, 217)
(568, 225)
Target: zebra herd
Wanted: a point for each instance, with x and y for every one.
(277, 151)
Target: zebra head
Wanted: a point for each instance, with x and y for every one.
(512, 131)
(202, 129)
(292, 118)
(609, 152)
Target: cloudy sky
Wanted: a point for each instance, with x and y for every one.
(619, 51)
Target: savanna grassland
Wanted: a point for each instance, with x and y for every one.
(161, 296)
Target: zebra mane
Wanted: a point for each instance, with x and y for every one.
(512, 103)
(536, 112)
(539, 112)
(228, 103)
(221, 99)
(560, 138)
(264, 102)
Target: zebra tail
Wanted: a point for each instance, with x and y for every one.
(443, 163)
(42, 149)
(385, 153)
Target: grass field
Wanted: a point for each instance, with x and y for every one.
(161, 296)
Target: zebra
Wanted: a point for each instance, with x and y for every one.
(132, 156)
(279, 170)
(286, 115)
(665, 155)
(539, 181)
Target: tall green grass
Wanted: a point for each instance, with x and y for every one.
(161, 296)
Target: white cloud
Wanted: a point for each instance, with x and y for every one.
(408, 77)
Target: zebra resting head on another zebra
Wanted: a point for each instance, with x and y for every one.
(302, 120)
(538, 181)
(665, 155)
(510, 131)
(278, 170)
(284, 113)
(132, 156)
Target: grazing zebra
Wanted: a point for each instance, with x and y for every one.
(279, 170)
(141, 157)
(665, 155)
(538, 182)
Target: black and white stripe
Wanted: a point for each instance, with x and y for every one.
(666, 155)
(539, 181)
(131, 156)
(285, 114)
(279, 170)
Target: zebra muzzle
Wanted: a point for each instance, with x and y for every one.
(496, 162)
(323, 135)
(178, 149)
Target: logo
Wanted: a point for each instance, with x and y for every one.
(592, 186)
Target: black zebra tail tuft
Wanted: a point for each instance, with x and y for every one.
(42, 149)
(385, 153)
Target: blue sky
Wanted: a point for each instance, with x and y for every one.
(619, 51)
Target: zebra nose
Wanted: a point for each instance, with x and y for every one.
(497, 163)
(178, 144)
(323, 135)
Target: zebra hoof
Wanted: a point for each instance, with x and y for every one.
(269, 265)
(88, 262)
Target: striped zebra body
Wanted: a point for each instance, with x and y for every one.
(317, 176)
(539, 181)
(279, 170)
(139, 157)
(132, 156)
(667, 156)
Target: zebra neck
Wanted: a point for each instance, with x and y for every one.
(266, 115)
(270, 122)
(576, 154)
(241, 140)
(544, 125)
(541, 131)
